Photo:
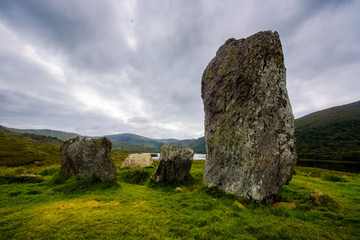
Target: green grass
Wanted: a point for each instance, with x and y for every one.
(68, 208)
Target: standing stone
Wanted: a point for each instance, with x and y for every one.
(88, 157)
(174, 163)
(137, 160)
(249, 124)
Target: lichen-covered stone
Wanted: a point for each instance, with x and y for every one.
(137, 160)
(249, 124)
(174, 163)
(88, 157)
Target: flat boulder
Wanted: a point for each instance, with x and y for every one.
(249, 124)
(88, 157)
(174, 163)
(138, 161)
(317, 197)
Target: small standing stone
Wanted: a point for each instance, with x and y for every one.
(88, 157)
(174, 163)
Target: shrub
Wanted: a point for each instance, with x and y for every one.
(333, 178)
(57, 179)
(49, 171)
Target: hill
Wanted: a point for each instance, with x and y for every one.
(147, 143)
(17, 149)
(330, 134)
(47, 132)
(198, 145)
(30, 137)
(131, 147)
(330, 115)
(135, 140)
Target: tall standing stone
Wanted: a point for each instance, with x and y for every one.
(249, 124)
(88, 157)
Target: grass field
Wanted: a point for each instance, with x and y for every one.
(54, 207)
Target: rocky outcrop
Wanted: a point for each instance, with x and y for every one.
(174, 163)
(88, 157)
(249, 124)
(138, 161)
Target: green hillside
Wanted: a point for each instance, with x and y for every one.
(17, 149)
(198, 145)
(47, 132)
(331, 134)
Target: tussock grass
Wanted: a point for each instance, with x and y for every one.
(72, 185)
(334, 178)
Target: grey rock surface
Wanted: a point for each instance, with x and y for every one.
(174, 163)
(249, 124)
(88, 157)
(137, 160)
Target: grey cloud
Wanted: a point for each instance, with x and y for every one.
(136, 66)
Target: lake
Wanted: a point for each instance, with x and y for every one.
(343, 166)
(196, 156)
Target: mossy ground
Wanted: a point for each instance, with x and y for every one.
(133, 208)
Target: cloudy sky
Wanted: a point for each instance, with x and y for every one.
(106, 67)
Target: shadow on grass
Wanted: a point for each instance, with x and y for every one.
(188, 184)
(73, 185)
(134, 176)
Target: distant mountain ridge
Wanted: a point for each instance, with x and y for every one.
(125, 141)
(48, 132)
(31, 137)
(154, 144)
(329, 134)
